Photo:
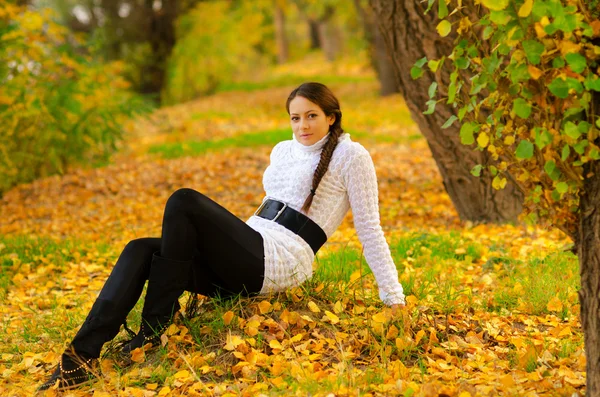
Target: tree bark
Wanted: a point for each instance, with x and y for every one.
(280, 36)
(327, 34)
(588, 251)
(379, 58)
(161, 37)
(409, 36)
(313, 34)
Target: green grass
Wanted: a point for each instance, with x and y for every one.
(540, 279)
(192, 148)
(266, 138)
(19, 253)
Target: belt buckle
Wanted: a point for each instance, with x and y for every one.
(260, 207)
(280, 211)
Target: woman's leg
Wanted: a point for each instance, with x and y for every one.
(228, 254)
(200, 238)
(117, 297)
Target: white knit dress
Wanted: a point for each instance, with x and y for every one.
(350, 182)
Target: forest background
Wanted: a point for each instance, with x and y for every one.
(108, 106)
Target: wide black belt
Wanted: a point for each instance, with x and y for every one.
(293, 220)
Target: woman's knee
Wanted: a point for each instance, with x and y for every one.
(183, 198)
(142, 247)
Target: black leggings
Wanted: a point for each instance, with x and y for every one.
(228, 254)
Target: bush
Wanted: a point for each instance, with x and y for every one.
(58, 106)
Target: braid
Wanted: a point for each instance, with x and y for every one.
(327, 152)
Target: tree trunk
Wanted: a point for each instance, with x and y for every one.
(280, 36)
(327, 34)
(378, 55)
(161, 37)
(409, 36)
(588, 251)
(313, 33)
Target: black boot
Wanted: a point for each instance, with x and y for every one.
(167, 281)
(72, 371)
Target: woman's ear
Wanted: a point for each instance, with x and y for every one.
(331, 119)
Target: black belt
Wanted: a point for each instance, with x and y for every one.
(293, 220)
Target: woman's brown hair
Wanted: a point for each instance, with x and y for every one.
(322, 96)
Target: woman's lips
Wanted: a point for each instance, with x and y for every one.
(305, 135)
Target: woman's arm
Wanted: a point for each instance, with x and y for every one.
(361, 184)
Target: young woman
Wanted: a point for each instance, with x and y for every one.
(311, 182)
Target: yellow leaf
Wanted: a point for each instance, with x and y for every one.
(182, 374)
(554, 305)
(138, 355)
(392, 332)
(332, 317)
(355, 276)
(164, 391)
(152, 386)
(567, 47)
(444, 28)
(233, 341)
(264, 307)
(172, 330)
(534, 72)
(227, 317)
(498, 182)
(313, 307)
(483, 139)
(526, 8)
(338, 308)
(419, 336)
(274, 344)
(507, 380)
(496, 5)
(379, 317)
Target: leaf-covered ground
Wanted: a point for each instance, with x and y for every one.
(492, 310)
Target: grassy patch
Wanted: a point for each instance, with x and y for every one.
(192, 148)
(267, 138)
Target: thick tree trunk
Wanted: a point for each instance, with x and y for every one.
(313, 34)
(280, 36)
(409, 35)
(327, 34)
(161, 37)
(378, 55)
(588, 251)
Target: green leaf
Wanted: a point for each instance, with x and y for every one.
(574, 84)
(466, 133)
(487, 32)
(500, 18)
(577, 62)
(416, 72)
(542, 137)
(559, 88)
(495, 5)
(571, 130)
(432, 87)
(524, 150)
(519, 73)
(580, 146)
(522, 108)
(592, 82)
(549, 167)
(462, 62)
(449, 122)
(595, 154)
(444, 28)
(558, 62)
(430, 106)
(533, 50)
(566, 150)
(465, 109)
(442, 9)
(421, 62)
(476, 171)
(562, 187)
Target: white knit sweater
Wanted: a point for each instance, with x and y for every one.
(350, 182)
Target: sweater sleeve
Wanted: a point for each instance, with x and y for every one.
(361, 184)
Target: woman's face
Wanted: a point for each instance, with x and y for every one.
(308, 121)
